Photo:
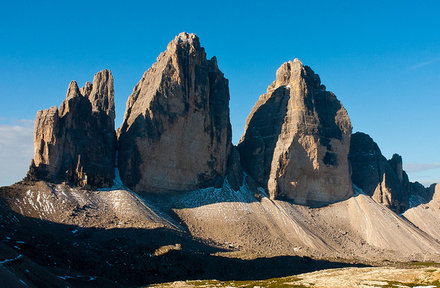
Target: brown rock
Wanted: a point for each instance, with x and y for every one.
(176, 133)
(76, 143)
(436, 192)
(297, 139)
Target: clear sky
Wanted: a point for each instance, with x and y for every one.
(380, 58)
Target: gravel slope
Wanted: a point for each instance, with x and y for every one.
(116, 236)
(426, 217)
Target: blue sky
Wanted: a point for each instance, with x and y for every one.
(380, 58)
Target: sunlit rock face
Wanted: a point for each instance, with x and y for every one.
(297, 139)
(176, 134)
(76, 143)
(436, 192)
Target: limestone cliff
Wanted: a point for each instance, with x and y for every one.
(297, 139)
(176, 133)
(76, 143)
(384, 180)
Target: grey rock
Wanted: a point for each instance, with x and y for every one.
(235, 170)
(297, 140)
(176, 134)
(384, 180)
(76, 143)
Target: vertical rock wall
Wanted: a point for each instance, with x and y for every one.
(76, 143)
(176, 133)
(297, 139)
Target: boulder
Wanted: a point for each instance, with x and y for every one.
(176, 133)
(76, 143)
(297, 139)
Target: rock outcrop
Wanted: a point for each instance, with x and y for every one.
(435, 192)
(176, 133)
(384, 180)
(76, 143)
(297, 139)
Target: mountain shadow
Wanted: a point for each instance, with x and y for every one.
(90, 257)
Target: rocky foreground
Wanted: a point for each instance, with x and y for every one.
(375, 277)
(168, 197)
(114, 238)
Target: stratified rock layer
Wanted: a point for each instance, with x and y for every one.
(297, 139)
(176, 133)
(76, 143)
(384, 180)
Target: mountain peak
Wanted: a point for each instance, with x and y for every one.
(185, 41)
(187, 37)
(181, 105)
(300, 153)
(73, 90)
(102, 94)
(76, 143)
(291, 72)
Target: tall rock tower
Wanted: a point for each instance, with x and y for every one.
(76, 143)
(297, 139)
(176, 133)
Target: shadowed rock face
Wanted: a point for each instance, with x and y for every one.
(384, 180)
(176, 133)
(297, 139)
(76, 143)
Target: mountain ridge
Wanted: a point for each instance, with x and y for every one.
(169, 196)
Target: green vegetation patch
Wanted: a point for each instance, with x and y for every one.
(394, 284)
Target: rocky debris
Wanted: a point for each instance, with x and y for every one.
(297, 139)
(176, 133)
(246, 225)
(426, 215)
(76, 143)
(105, 208)
(384, 180)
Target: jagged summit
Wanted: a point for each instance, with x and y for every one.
(185, 39)
(290, 70)
(297, 138)
(73, 90)
(176, 137)
(101, 94)
(286, 71)
(76, 143)
(176, 133)
(384, 180)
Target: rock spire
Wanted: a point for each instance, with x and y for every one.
(76, 143)
(297, 139)
(176, 133)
